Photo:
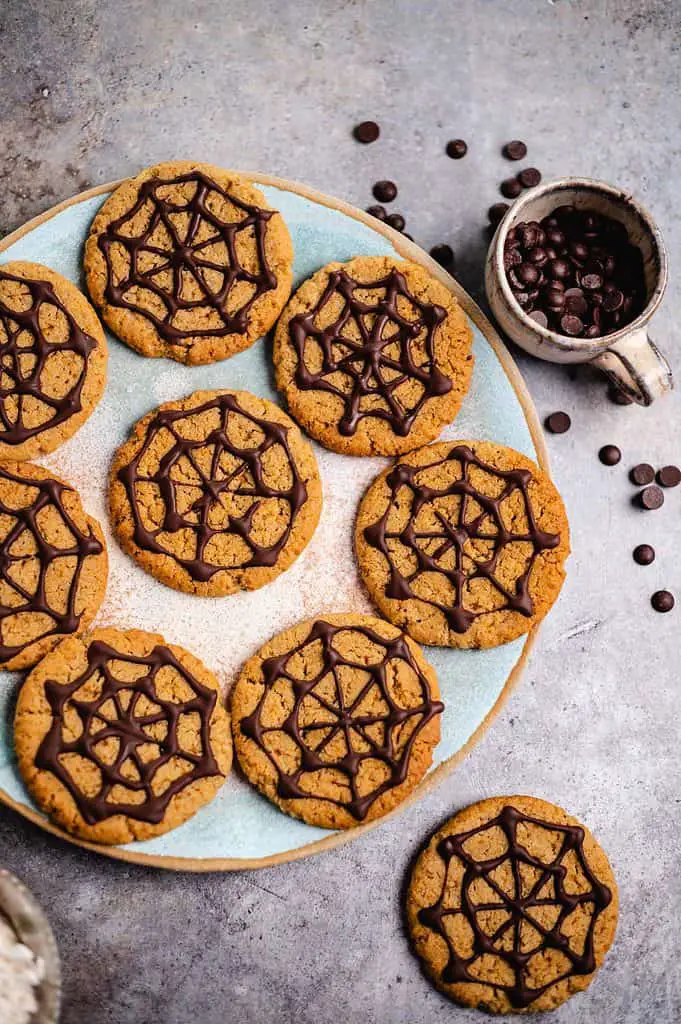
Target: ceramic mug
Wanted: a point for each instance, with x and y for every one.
(628, 356)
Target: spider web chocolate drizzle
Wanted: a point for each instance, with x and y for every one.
(24, 355)
(214, 486)
(346, 718)
(183, 254)
(454, 534)
(33, 599)
(547, 891)
(368, 366)
(131, 729)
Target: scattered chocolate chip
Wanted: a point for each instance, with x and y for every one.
(558, 422)
(511, 188)
(514, 150)
(642, 474)
(669, 476)
(443, 254)
(367, 131)
(456, 149)
(396, 220)
(662, 601)
(651, 498)
(379, 212)
(497, 211)
(529, 177)
(385, 191)
(644, 554)
(610, 455)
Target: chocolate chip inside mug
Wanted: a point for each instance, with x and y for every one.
(578, 269)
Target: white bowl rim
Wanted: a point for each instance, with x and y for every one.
(50, 987)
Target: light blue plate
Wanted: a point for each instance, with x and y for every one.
(239, 827)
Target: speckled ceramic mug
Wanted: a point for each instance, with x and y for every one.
(628, 356)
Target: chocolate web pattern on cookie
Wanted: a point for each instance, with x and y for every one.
(132, 729)
(26, 525)
(183, 255)
(384, 359)
(547, 891)
(345, 718)
(25, 353)
(214, 486)
(487, 525)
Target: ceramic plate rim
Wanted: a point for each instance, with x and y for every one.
(409, 251)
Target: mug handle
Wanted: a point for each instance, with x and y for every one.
(636, 367)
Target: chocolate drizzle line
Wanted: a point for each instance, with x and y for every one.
(26, 523)
(185, 256)
(456, 536)
(367, 366)
(517, 908)
(345, 718)
(131, 730)
(17, 381)
(213, 487)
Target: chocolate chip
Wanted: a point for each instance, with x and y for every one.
(527, 273)
(642, 474)
(613, 300)
(651, 498)
(367, 131)
(396, 220)
(385, 191)
(644, 554)
(497, 211)
(456, 149)
(514, 150)
(379, 212)
(443, 254)
(571, 325)
(529, 177)
(575, 301)
(592, 331)
(592, 282)
(511, 188)
(558, 422)
(669, 476)
(559, 269)
(609, 455)
(662, 601)
(539, 317)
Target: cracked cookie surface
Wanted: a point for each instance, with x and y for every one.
(373, 356)
(462, 543)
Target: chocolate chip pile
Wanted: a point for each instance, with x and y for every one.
(575, 272)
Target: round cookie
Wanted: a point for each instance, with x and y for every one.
(373, 356)
(53, 564)
(53, 366)
(512, 906)
(121, 736)
(462, 543)
(188, 261)
(335, 720)
(216, 493)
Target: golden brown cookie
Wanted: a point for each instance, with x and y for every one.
(53, 369)
(512, 906)
(462, 543)
(216, 493)
(53, 564)
(336, 719)
(188, 261)
(373, 356)
(121, 736)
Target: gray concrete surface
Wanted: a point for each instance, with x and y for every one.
(93, 91)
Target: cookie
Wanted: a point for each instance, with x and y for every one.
(53, 564)
(335, 720)
(462, 543)
(373, 356)
(121, 736)
(512, 906)
(216, 493)
(188, 261)
(52, 360)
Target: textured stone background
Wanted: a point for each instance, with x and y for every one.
(95, 90)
